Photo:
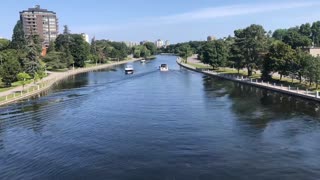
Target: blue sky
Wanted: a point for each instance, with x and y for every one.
(174, 20)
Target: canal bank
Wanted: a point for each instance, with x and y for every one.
(30, 90)
(291, 91)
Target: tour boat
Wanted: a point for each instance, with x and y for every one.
(129, 69)
(164, 67)
(142, 60)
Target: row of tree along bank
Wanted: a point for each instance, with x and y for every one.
(22, 55)
(285, 51)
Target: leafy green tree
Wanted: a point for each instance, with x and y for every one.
(185, 51)
(66, 30)
(313, 71)
(136, 51)
(237, 59)
(18, 37)
(8, 54)
(79, 49)
(315, 31)
(23, 78)
(305, 30)
(9, 70)
(251, 44)
(36, 77)
(151, 47)
(52, 47)
(302, 60)
(295, 39)
(4, 44)
(280, 58)
(56, 60)
(215, 53)
(279, 34)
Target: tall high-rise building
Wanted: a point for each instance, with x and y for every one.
(167, 43)
(159, 43)
(85, 37)
(42, 22)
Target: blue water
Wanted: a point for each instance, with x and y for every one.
(159, 125)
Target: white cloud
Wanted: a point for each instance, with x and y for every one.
(202, 14)
(233, 10)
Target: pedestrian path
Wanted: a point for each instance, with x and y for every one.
(295, 91)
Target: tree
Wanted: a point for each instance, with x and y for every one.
(18, 37)
(302, 60)
(8, 54)
(23, 77)
(295, 39)
(313, 70)
(79, 49)
(52, 47)
(279, 34)
(280, 58)
(215, 53)
(305, 30)
(9, 70)
(236, 57)
(4, 44)
(151, 47)
(185, 52)
(56, 60)
(32, 60)
(315, 33)
(251, 44)
(66, 30)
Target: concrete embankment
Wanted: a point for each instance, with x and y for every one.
(50, 81)
(304, 94)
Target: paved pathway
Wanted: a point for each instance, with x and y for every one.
(60, 75)
(259, 83)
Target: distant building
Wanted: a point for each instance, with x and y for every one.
(85, 37)
(167, 43)
(159, 43)
(210, 38)
(314, 51)
(131, 44)
(42, 22)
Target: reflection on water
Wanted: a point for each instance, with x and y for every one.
(158, 125)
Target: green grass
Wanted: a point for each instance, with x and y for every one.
(202, 66)
(87, 65)
(60, 70)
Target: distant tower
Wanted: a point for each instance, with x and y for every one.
(211, 38)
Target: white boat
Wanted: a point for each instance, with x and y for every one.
(142, 60)
(164, 67)
(128, 69)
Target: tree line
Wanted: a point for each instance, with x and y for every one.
(285, 51)
(22, 55)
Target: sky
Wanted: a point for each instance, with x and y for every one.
(173, 20)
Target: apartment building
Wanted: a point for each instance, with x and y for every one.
(42, 22)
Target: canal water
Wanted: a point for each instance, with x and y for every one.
(159, 125)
